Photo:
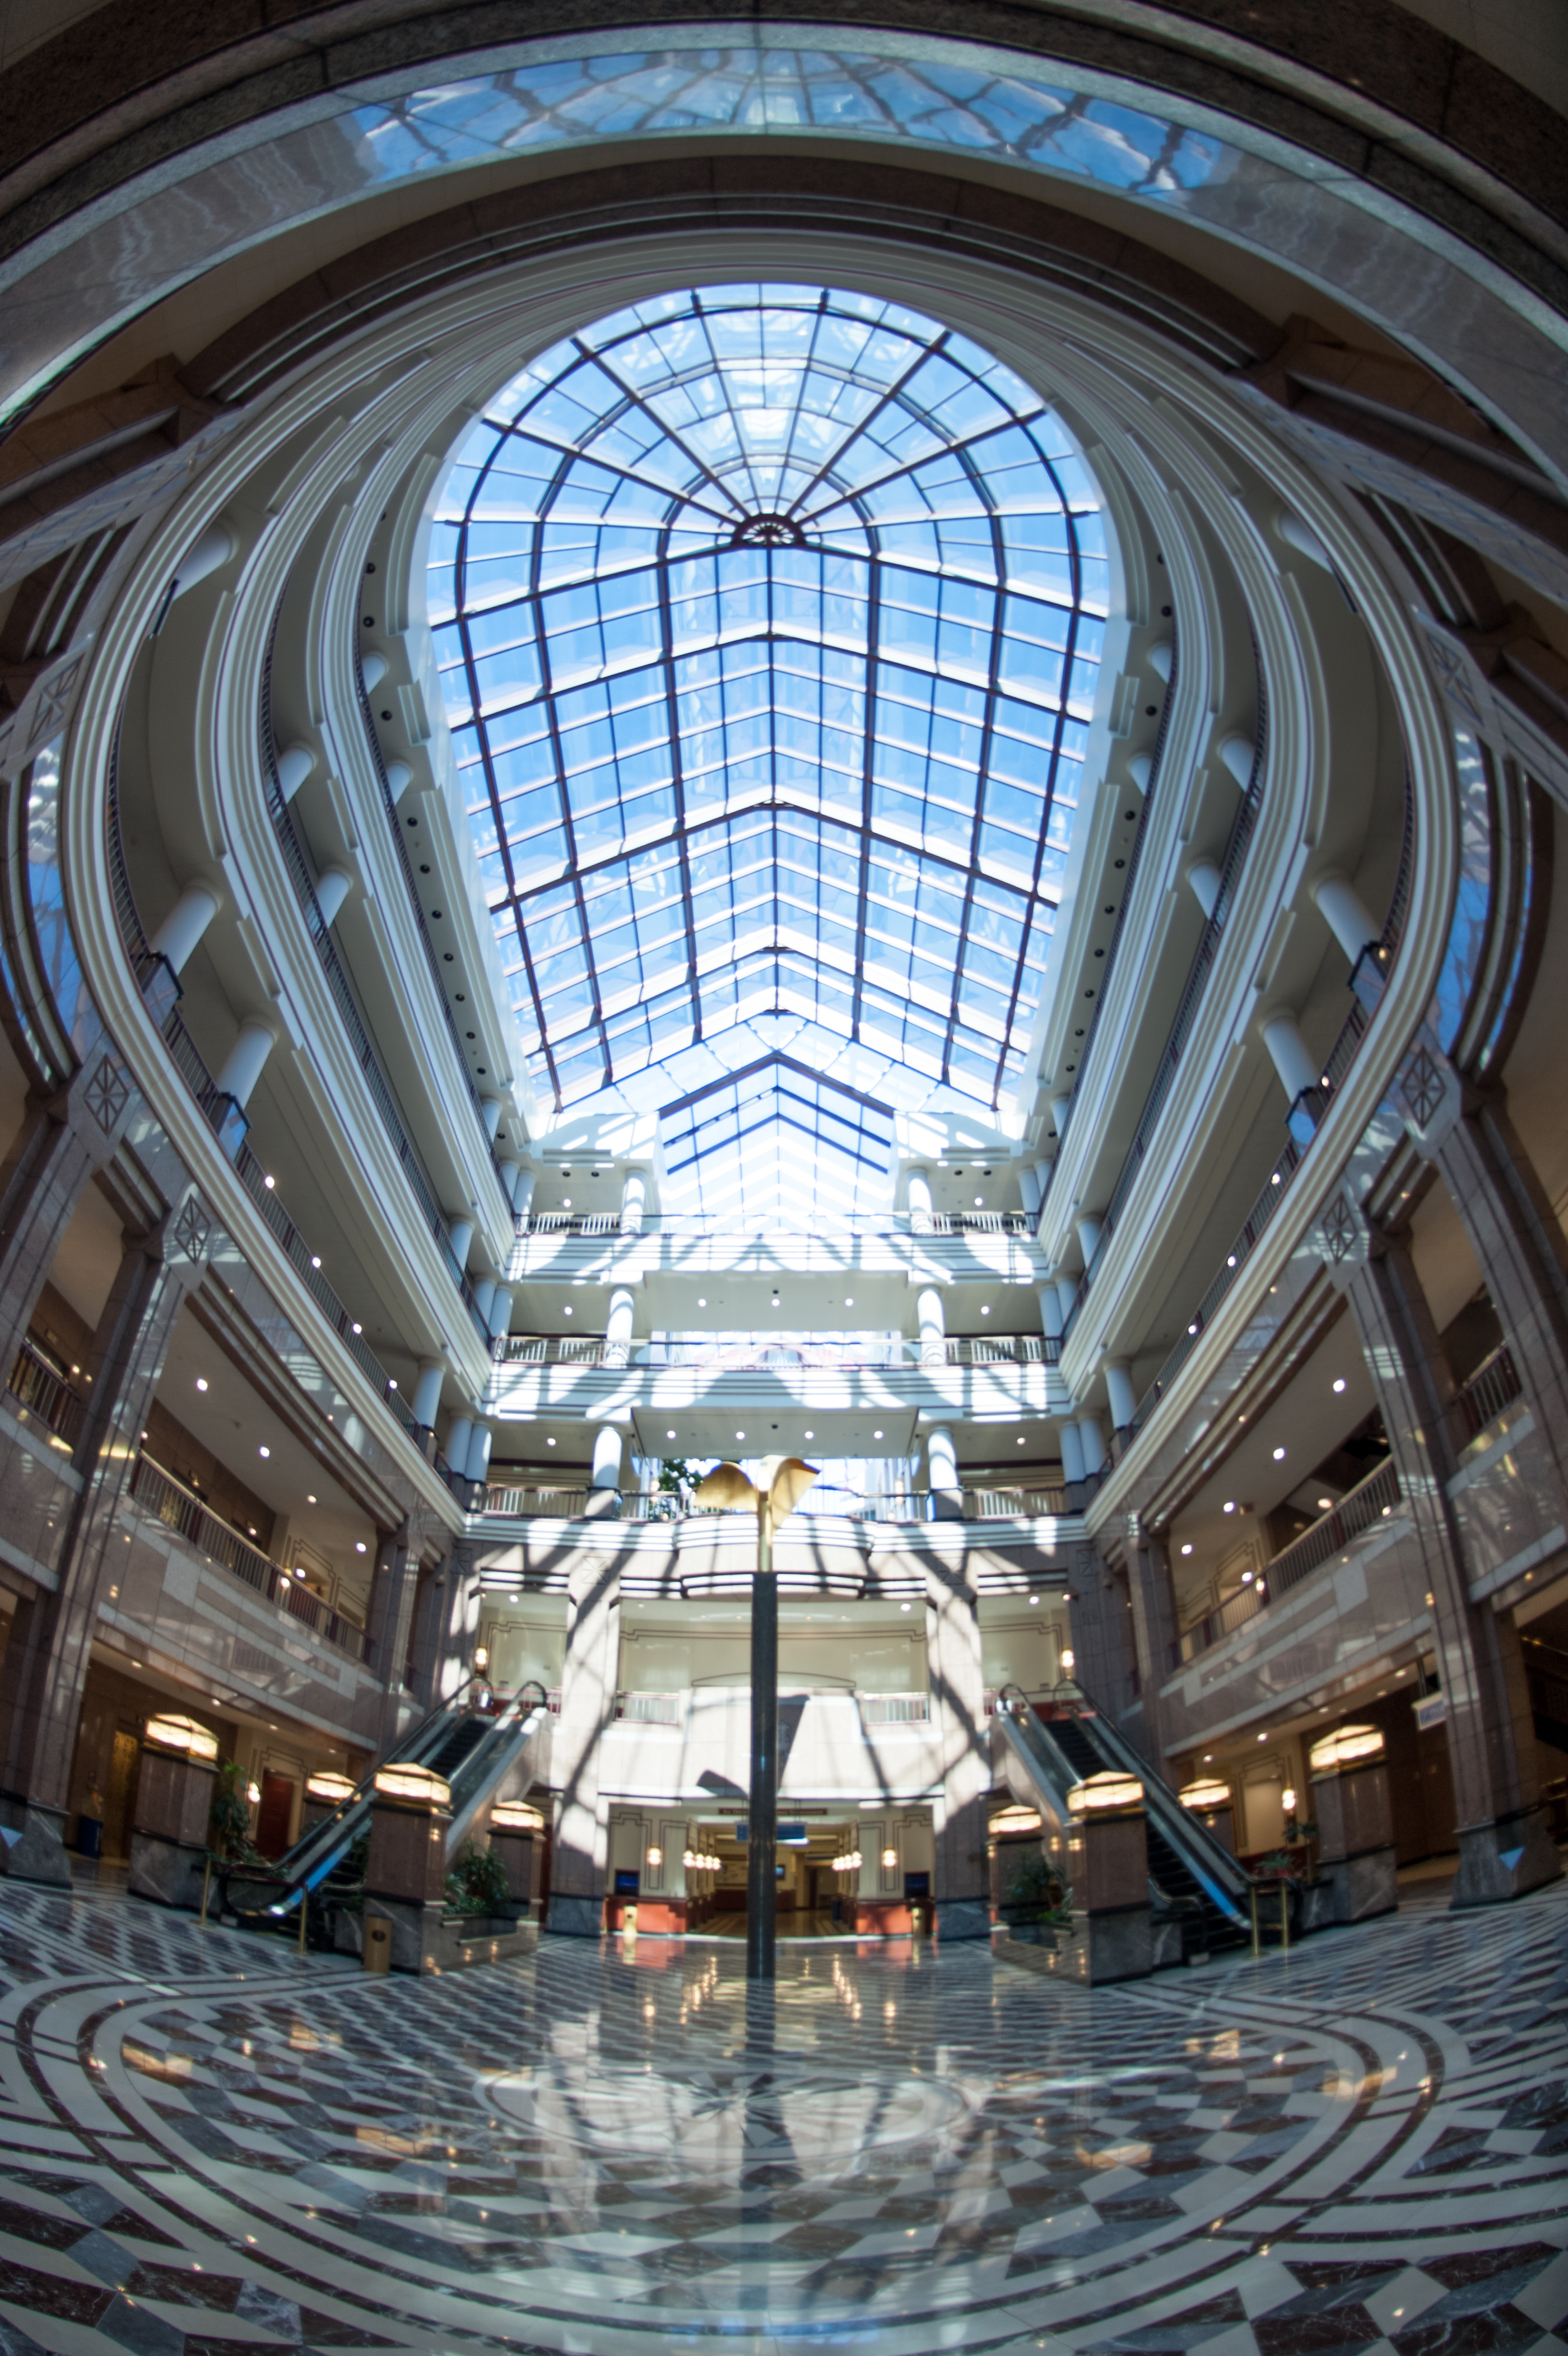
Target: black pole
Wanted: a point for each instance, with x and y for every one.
(762, 1835)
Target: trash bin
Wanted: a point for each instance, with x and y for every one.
(377, 1944)
(90, 1835)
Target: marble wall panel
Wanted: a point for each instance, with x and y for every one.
(38, 1487)
(827, 1753)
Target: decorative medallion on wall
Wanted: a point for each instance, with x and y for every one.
(192, 1228)
(107, 1094)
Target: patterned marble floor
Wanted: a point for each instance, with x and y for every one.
(212, 2148)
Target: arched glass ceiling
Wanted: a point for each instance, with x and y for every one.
(774, 1145)
(769, 621)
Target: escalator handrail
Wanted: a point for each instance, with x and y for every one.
(1029, 1734)
(1223, 1877)
(516, 1718)
(300, 1867)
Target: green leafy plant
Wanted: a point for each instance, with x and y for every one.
(478, 1883)
(229, 1822)
(1036, 1893)
(674, 1473)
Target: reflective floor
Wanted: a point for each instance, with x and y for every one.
(211, 2146)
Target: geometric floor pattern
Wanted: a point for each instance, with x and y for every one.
(213, 2148)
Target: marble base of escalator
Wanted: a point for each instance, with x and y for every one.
(427, 1938)
(1118, 1944)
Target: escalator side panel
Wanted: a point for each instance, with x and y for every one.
(1215, 1874)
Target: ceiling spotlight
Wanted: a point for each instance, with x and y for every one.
(1186, 1547)
(669, 1435)
(550, 1444)
(1229, 1505)
(201, 1382)
(810, 1435)
(310, 1501)
(264, 1451)
(1339, 1383)
(1034, 1598)
(1325, 1505)
(877, 1435)
(985, 1309)
(1279, 1456)
(565, 1202)
(740, 1435)
(701, 1303)
(566, 1311)
(774, 1302)
(977, 1201)
(849, 1300)
(902, 1607)
(360, 1546)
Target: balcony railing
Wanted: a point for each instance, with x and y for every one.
(904, 1507)
(1493, 1386)
(45, 1392)
(1371, 1500)
(752, 1354)
(1015, 1224)
(896, 1709)
(159, 1493)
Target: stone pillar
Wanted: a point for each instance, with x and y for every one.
(1206, 879)
(500, 1314)
(633, 1201)
(246, 1059)
(1050, 1303)
(174, 1801)
(919, 1202)
(522, 1199)
(603, 1480)
(1519, 1242)
(1072, 1467)
(63, 1141)
(1122, 1398)
(1152, 1593)
(1092, 1439)
(588, 1682)
(933, 1321)
(1108, 1856)
(941, 1462)
(46, 1660)
(460, 1235)
(1504, 1848)
(405, 1872)
(1102, 1629)
(388, 1621)
(957, 1683)
(456, 1624)
(618, 1323)
(1355, 1812)
(1298, 1075)
(426, 1400)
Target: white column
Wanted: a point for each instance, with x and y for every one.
(932, 1320)
(1059, 1103)
(461, 1233)
(484, 1294)
(1291, 1055)
(1072, 1455)
(459, 1437)
(1124, 1400)
(185, 923)
(506, 1170)
(490, 1110)
(1029, 1188)
(605, 1472)
(1089, 1234)
(333, 886)
(426, 1397)
(294, 763)
(1237, 753)
(1093, 1440)
(216, 544)
(617, 1337)
(373, 669)
(1205, 880)
(919, 1202)
(1298, 534)
(1162, 659)
(479, 1452)
(243, 1065)
(1067, 1293)
(633, 1201)
(1050, 1313)
(1141, 768)
(400, 777)
(522, 1197)
(500, 1313)
(1346, 914)
(941, 1473)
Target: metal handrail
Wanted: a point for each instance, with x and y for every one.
(749, 1354)
(45, 1392)
(1494, 1387)
(179, 1508)
(1016, 1225)
(1360, 1509)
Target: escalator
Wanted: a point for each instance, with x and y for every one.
(1192, 1875)
(471, 1750)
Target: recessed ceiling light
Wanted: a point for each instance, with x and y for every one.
(702, 1301)
(985, 1309)
(360, 1546)
(877, 1435)
(849, 1300)
(740, 1435)
(1186, 1547)
(1339, 1383)
(669, 1435)
(1229, 1505)
(550, 1444)
(264, 1451)
(902, 1607)
(1279, 1455)
(310, 1501)
(1325, 1504)
(566, 1310)
(1034, 1598)
(201, 1382)
(810, 1435)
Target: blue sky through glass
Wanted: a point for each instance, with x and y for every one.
(769, 621)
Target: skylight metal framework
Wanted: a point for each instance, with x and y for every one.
(769, 621)
(775, 1143)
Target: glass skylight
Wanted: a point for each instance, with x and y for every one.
(774, 1145)
(769, 621)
